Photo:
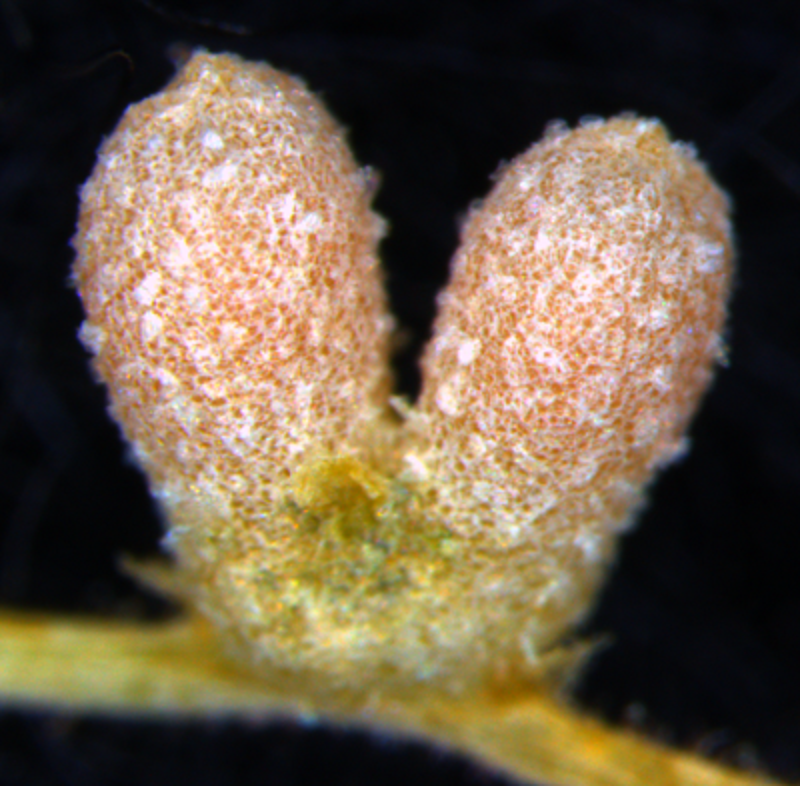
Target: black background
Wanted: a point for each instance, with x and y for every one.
(703, 609)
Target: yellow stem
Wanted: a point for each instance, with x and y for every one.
(176, 668)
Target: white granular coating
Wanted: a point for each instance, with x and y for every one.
(226, 257)
(227, 264)
(594, 279)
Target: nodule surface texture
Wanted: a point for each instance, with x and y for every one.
(577, 333)
(227, 263)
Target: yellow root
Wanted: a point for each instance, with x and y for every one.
(176, 668)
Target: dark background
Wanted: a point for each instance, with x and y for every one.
(703, 609)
